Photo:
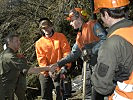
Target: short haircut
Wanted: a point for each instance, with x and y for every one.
(10, 38)
(43, 21)
(76, 13)
(116, 12)
(45, 18)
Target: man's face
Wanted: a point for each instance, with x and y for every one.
(47, 30)
(75, 22)
(15, 43)
(46, 27)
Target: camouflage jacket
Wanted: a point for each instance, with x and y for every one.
(10, 68)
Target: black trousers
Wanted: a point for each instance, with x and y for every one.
(8, 89)
(96, 96)
(47, 85)
(20, 90)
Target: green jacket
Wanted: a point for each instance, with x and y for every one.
(10, 68)
(115, 56)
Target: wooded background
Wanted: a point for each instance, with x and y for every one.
(21, 17)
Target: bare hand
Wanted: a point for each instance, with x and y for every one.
(53, 67)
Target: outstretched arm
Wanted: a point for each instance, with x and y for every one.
(36, 70)
(74, 55)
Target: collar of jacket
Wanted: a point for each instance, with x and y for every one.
(120, 24)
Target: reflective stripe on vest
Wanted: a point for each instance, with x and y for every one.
(124, 90)
(125, 87)
(119, 97)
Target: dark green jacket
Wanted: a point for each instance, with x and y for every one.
(10, 68)
(115, 55)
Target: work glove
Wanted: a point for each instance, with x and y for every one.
(53, 67)
(86, 53)
(63, 72)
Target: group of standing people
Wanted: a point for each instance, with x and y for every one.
(112, 71)
(53, 50)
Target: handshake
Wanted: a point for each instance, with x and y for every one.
(36, 70)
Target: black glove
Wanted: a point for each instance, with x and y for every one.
(63, 70)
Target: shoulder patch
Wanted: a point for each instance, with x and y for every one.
(102, 70)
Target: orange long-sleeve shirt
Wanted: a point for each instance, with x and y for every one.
(50, 50)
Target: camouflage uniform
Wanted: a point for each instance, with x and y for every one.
(10, 68)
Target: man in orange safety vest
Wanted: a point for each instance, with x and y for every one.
(113, 74)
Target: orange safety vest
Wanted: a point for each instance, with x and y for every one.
(87, 36)
(124, 90)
